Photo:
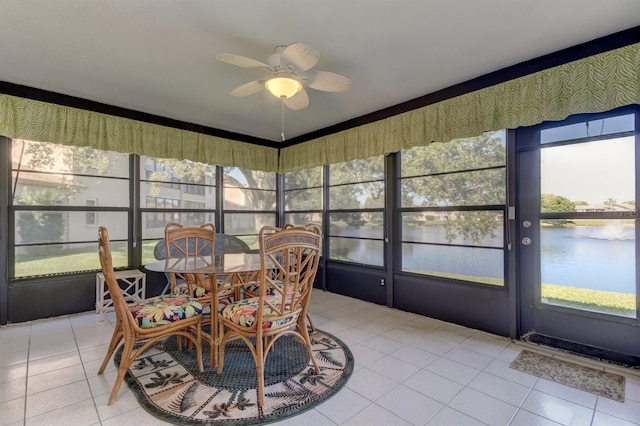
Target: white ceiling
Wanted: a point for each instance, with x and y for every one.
(158, 56)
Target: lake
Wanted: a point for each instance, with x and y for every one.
(592, 257)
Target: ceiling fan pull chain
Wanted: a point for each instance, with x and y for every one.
(282, 104)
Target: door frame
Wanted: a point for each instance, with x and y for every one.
(591, 333)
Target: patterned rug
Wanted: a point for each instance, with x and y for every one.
(168, 385)
(577, 376)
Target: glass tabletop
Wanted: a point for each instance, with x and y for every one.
(222, 264)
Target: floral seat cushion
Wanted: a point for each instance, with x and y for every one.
(166, 309)
(183, 289)
(243, 313)
(252, 289)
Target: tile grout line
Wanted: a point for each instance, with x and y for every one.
(84, 368)
(26, 382)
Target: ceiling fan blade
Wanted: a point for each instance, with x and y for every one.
(248, 88)
(241, 61)
(329, 82)
(298, 101)
(301, 56)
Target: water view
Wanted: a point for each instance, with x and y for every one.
(591, 257)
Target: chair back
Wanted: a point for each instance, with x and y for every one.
(106, 262)
(190, 243)
(289, 262)
(225, 243)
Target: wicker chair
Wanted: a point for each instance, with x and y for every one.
(147, 321)
(197, 244)
(283, 300)
(191, 243)
(251, 288)
(224, 243)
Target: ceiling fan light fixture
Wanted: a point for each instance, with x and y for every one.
(283, 87)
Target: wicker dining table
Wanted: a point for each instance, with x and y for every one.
(233, 269)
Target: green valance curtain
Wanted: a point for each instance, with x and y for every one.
(39, 121)
(598, 83)
(595, 84)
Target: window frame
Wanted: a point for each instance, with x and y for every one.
(176, 194)
(312, 211)
(15, 209)
(402, 240)
(329, 210)
(250, 238)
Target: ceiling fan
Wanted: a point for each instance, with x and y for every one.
(287, 75)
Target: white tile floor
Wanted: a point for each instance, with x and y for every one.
(409, 370)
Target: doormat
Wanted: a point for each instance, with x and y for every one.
(168, 385)
(588, 379)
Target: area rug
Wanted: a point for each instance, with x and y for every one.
(168, 385)
(597, 382)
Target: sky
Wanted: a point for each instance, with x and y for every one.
(591, 171)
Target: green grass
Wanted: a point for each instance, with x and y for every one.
(69, 263)
(570, 223)
(590, 300)
(81, 261)
(610, 302)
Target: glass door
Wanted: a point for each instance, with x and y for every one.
(577, 225)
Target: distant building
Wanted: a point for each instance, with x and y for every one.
(618, 207)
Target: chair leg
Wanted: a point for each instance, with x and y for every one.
(199, 347)
(215, 331)
(125, 362)
(117, 336)
(307, 344)
(179, 341)
(312, 328)
(220, 347)
(212, 355)
(260, 361)
(116, 386)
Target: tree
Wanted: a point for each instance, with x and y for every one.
(264, 198)
(184, 171)
(357, 184)
(465, 172)
(456, 173)
(39, 226)
(73, 159)
(556, 203)
(297, 195)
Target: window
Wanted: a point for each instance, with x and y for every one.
(249, 203)
(588, 219)
(589, 129)
(356, 211)
(54, 206)
(453, 200)
(303, 197)
(90, 217)
(173, 190)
